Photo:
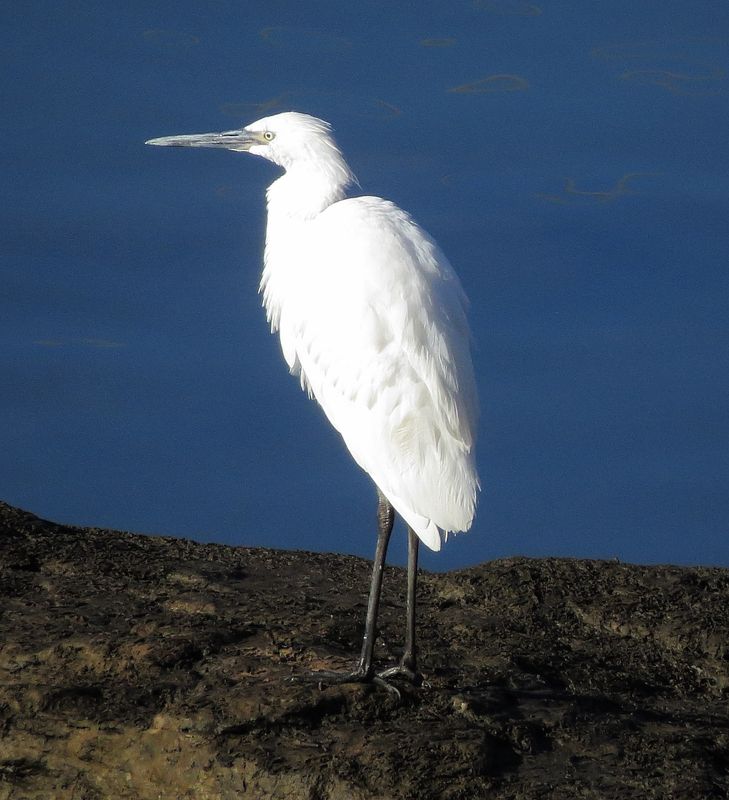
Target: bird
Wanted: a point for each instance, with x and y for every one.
(372, 319)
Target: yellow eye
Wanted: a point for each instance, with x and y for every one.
(268, 135)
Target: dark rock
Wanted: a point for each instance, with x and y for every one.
(144, 667)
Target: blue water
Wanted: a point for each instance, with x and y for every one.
(571, 159)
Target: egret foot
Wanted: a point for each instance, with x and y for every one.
(333, 678)
(402, 671)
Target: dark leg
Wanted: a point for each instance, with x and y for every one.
(408, 657)
(385, 520)
(364, 671)
(407, 665)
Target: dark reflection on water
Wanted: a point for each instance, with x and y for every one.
(446, 42)
(102, 343)
(516, 8)
(682, 66)
(678, 82)
(170, 39)
(304, 39)
(254, 110)
(492, 84)
(571, 192)
(680, 49)
(351, 105)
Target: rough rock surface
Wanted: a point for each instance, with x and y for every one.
(143, 667)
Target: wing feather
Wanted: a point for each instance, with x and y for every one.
(375, 322)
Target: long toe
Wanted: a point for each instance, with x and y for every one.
(332, 678)
(401, 671)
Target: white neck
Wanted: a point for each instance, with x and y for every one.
(303, 192)
(293, 202)
(307, 188)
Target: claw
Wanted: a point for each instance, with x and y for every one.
(401, 671)
(388, 687)
(323, 678)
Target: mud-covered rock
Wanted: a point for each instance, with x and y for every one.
(143, 667)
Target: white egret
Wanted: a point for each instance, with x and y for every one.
(372, 319)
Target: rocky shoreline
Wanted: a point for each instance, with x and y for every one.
(145, 667)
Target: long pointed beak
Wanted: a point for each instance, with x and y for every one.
(230, 140)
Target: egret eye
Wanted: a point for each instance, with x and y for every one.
(268, 135)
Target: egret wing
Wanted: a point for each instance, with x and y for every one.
(376, 325)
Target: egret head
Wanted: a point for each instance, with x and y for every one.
(289, 139)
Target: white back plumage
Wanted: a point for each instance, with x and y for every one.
(373, 319)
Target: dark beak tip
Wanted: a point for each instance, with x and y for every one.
(160, 142)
